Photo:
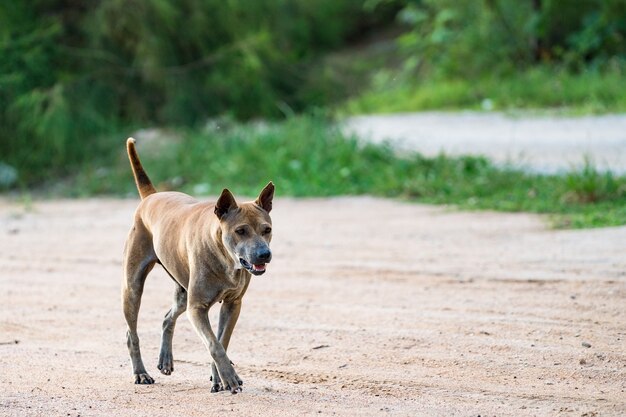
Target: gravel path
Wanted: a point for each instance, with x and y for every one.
(539, 143)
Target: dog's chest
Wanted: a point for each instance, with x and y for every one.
(239, 284)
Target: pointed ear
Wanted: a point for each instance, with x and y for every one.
(265, 198)
(225, 203)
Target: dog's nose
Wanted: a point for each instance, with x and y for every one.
(264, 255)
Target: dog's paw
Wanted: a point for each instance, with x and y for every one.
(217, 387)
(231, 380)
(217, 382)
(166, 364)
(239, 388)
(143, 378)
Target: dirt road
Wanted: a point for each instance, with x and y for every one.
(370, 307)
(538, 143)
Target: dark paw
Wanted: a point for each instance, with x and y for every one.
(219, 387)
(144, 379)
(235, 390)
(166, 365)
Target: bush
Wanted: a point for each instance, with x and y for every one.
(311, 156)
(72, 72)
(475, 38)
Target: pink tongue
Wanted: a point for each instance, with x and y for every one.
(259, 267)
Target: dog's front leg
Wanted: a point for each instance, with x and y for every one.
(229, 313)
(199, 317)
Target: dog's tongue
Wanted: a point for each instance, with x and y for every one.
(259, 267)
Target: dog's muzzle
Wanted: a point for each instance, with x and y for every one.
(254, 269)
(257, 266)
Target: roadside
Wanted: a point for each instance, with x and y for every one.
(544, 144)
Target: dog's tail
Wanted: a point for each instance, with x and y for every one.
(144, 185)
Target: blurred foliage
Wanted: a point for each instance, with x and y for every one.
(504, 54)
(475, 38)
(587, 92)
(73, 72)
(307, 155)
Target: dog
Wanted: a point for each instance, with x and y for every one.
(210, 250)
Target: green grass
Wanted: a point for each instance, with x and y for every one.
(540, 88)
(309, 156)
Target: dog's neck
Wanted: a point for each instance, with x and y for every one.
(229, 261)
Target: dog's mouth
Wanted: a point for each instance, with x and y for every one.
(254, 269)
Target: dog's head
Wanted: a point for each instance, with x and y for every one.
(247, 229)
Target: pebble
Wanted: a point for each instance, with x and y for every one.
(587, 345)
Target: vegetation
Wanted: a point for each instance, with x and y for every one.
(74, 75)
(498, 37)
(74, 72)
(536, 89)
(505, 54)
(308, 156)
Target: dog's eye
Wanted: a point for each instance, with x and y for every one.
(241, 231)
(267, 231)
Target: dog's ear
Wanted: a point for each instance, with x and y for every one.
(225, 203)
(265, 198)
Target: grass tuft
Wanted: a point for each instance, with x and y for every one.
(588, 92)
(310, 156)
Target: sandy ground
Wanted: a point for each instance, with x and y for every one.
(370, 307)
(538, 143)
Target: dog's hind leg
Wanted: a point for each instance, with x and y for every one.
(139, 261)
(166, 359)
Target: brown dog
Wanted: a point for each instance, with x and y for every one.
(209, 250)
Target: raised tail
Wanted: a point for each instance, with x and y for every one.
(144, 185)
